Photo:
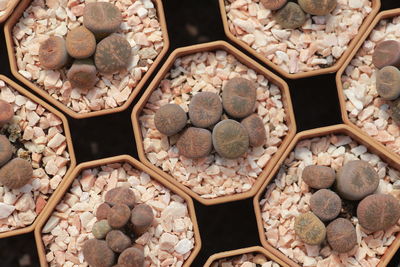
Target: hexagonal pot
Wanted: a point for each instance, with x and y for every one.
(7, 12)
(123, 159)
(367, 20)
(243, 59)
(339, 83)
(72, 161)
(8, 30)
(340, 129)
(238, 252)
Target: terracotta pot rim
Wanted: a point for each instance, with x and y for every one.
(241, 57)
(43, 93)
(335, 129)
(10, 8)
(376, 4)
(137, 165)
(70, 148)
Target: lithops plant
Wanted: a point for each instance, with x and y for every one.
(386, 53)
(341, 235)
(80, 43)
(112, 54)
(239, 97)
(6, 112)
(325, 204)
(53, 53)
(100, 229)
(378, 212)
(131, 257)
(120, 195)
(255, 129)
(170, 119)
(230, 139)
(82, 74)
(195, 143)
(117, 241)
(273, 4)
(310, 229)
(102, 211)
(318, 7)
(291, 16)
(118, 216)
(102, 18)
(318, 177)
(356, 179)
(388, 82)
(205, 109)
(97, 253)
(142, 218)
(16, 173)
(395, 109)
(6, 150)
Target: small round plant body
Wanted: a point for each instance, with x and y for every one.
(16, 173)
(386, 53)
(53, 53)
(239, 97)
(101, 18)
(291, 16)
(170, 119)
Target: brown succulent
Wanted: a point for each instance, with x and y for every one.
(170, 119)
(120, 195)
(102, 211)
(132, 257)
(290, 16)
(142, 218)
(80, 43)
(310, 229)
(102, 18)
(119, 215)
(97, 253)
(195, 143)
(239, 97)
(341, 235)
(16, 173)
(118, 241)
(205, 109)
(386, 53)
(53, 53)
(5, 150)
(318, 7)
(273, 4)
(255, 129)
(326, 204)
(6, 112)
(388, 82)
(395, 110)
(100, 229)
(318, 177)
(82, 74)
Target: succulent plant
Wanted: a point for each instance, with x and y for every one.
(16, 173)
(132, 257)
(310, 229)
(341, 235)
(113, 54)
(5, 150)
(100, 229)
(395, 110)
(255, 129)
(378, 212)
(118, 215)
(118, 241)
(142, 218)
(230, 139)
(325, 204)
(239, 97)
(291, 16)
(170, 119)
(120, 195)
(388, 82)
(82, 74)
(80, 43)
(102, 211)
(6, 112)
(318, 177)
(205, 109)
(53, 53)
(273, 4)
(102, 18)
(97, 253)
(195, 143)
(386, 53)
(356, 179)
(318, 7)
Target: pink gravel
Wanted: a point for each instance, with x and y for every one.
(245, 260)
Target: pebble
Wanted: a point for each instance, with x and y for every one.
(113, 54)
(255, 129)
(6, 112)
(325, 204)
(131, 257)
(168, 241)
(386, 53)
(291, 16)
(6, 210)
(230, 139)
(195, 143)
(142, 218)
(53, 53)
(97, 253)
(318, 7)
(118, 241)
(102, 18)
(310, 229)
(388, 82)
(82, 74)
(5, 150)
(205, 109)
(80, 43)
(100, 229)
(239, 97)
(341, 235)
(120, 195)
(273, 4)
(318, 177)
(16, 173)
(356, 179)
(170, 119)
(119, 216)
(183, 246)
(378, 212)
(102, 211)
